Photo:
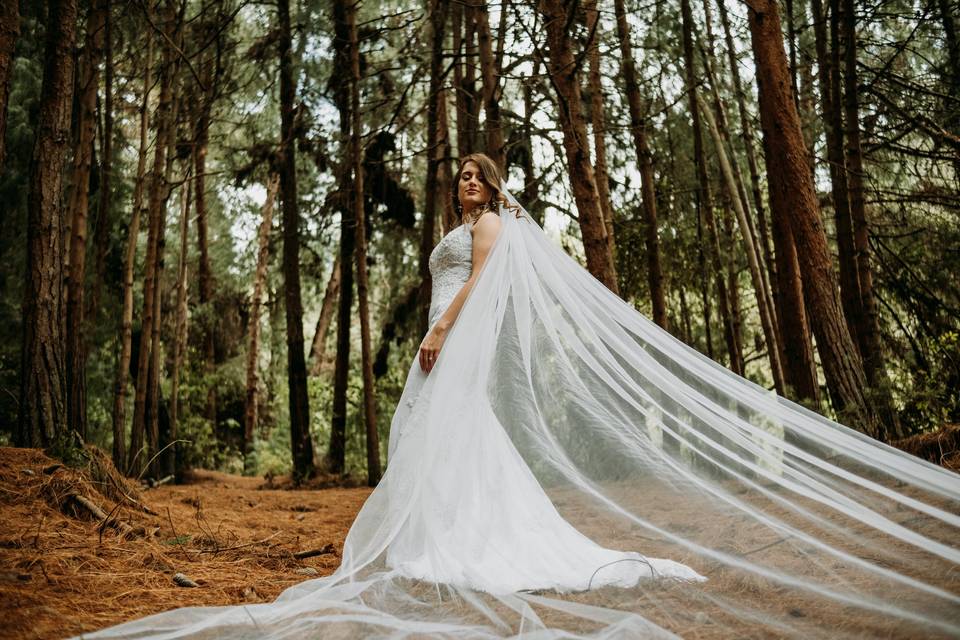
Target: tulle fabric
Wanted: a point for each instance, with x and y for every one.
(570, 470)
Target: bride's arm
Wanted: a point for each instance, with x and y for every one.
(484, 231)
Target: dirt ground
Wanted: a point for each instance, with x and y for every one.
(227, 534)
(62, 572)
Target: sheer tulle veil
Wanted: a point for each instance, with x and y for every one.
(803, 527)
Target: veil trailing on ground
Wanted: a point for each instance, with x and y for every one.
(802, 527)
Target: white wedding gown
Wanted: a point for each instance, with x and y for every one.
(556, 410)
(480, 518)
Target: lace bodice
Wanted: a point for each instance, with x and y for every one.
(450, 266)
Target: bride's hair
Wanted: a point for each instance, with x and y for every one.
(492, 175)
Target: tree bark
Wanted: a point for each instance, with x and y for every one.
(564, 76)
(490, 75)
(704, 196)
(793, 197)
(155, 211)
(42, 420)
(172, 457)
(79, 209)
(336, 454)
(833, 108)
(129, 259)
(300, 441)
(464, 78)
(438, 10)
(9, 31)
(330, 296)
(753, 258)
(598, 123)
(869, 329)
(638, 127)
(103, 223)
(252, 407)
(747, 137)
(356, 153)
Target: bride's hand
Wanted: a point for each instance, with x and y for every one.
(430, 348)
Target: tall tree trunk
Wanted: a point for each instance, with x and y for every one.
(833, 110)
(172, 457)
(464, 78)
(438, 10)
(563, 75)
(753, 259)
(129, 259)
(531, 184)
(301, 443)
(103, 223)
(490, 75)
(9, 31)
(155, 212)
(598, 122)
(869, 329)
(252, 406)
(638, 127)
(42, 420)
(204, 271)
(800, 369)
(793, 197)
(449, 217)
(704, 196)
(356, 153)
(336, 454)
(89, 78)
(330, 296)
(747, 137)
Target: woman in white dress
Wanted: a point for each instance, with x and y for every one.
(550, 439)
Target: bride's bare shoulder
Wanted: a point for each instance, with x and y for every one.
(486, 224)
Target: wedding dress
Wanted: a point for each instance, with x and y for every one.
(562, 446)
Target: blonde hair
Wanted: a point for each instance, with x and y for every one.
(491, 174)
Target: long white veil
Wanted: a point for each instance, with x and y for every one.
(803, 527)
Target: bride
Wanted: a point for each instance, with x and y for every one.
(550, 442)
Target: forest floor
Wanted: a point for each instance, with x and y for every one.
(77, 553)
(61, 576)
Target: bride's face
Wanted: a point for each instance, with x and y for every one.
(472, 189)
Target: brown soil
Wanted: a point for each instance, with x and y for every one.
(60, 575)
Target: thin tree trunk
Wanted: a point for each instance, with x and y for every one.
(438, 10)
(172, 457)
(753, 259)
(830, 88)
(869, 330)
(598, 123)
(103, 224)
(747, 137)
(336, 454)
(563, 75)
(42, 420)
(126, 315)
(531, 186)
(9, 31)
(252, 407)
(356, 152)
(638, 127)
(155, 209)
(204, 270)
(464, 78)
(330, 296)
(704, 196)
(491, 99)
(78, 212)
(449, 217)
(300, 441)
(793, 197)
